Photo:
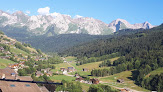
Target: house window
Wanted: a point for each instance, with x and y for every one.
(27, 85)
(12, 85)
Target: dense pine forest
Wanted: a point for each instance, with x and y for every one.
(141, 52)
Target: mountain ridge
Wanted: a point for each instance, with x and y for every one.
(65, 24)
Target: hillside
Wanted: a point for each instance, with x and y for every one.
(124, 43)
(141, 52)
(12, 51)
(59, 43)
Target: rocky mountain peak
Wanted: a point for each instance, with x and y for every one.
(65, 24)
(18, 13)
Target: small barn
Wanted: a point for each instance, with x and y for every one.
(120, 80)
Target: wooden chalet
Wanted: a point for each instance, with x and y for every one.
(39, 73)
(120, 80)
(70, 69)
(85, 69)
(94, 81)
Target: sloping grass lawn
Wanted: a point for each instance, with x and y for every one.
(59, 78)
(112, 81)
(4, 63)
(90, 66)
(70, 58)
(157, 71)
(18, 51)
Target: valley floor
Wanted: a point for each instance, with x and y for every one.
(107, 80)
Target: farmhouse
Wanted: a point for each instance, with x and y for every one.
(120, 80)
(62, 69)
(80, 79)
(49, 73)
(85, 69)
(70, 69)
(38, 74)
(77, 75)
(46, 70)
(94, 81)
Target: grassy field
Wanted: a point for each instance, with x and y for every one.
(61, 65)
(32, 49)
(59, 78)
(70, 58)
(111, 80)
(157, 71)
(5, 62)
(85, 87)
(18, 51)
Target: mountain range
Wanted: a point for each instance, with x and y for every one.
(62, 24)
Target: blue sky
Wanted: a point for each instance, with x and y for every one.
(134, 11)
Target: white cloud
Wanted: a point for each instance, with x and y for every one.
(27, 12)
(54, 14)
(78, 16)
(43, 11)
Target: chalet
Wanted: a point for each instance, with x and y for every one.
(80, 79)
(38, 74)
(62, 69)
(46, 70)
(70, 69)
(50, 73)
(85, 69)
(120, 80)
(77, 75)
(10, 86)
(94, 81)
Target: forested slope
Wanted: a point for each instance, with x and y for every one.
(141, 52)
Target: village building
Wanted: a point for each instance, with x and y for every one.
(50, 73)
(80, 79)
(39, 73)
(120, 80)
(46, 70)
(17, 66)
(10, 86)
(63, 69)
(85, 69)
(94, 81)
(70, 69)
(77, 75)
